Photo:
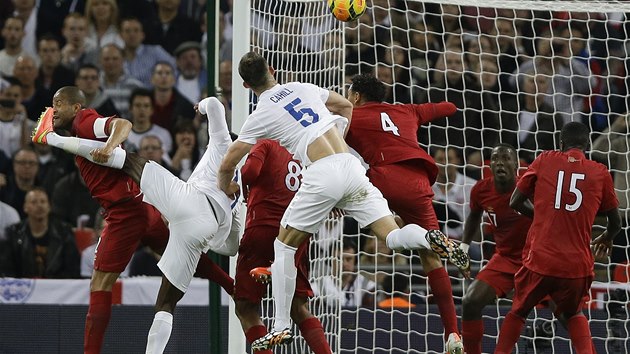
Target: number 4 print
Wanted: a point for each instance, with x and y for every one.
(388, 125)
(572, 189)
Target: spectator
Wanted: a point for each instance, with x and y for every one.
(225, 83)
(167, 27)
(452, 192)
(14, 128)
(50, 15)
(72, 202)
(12, 33)
(356, 290)
(87, 81)
(53, 165)
(150, 148)
(22, 180)
(26, 10)
(52, 75)
(33, 99)
(78, 49)
(102, 16)
(40, 246)
(141, 58)
(115, 83)
(169, 105)
(191, 76)
(8, 217)
(141, 102)
(185, 153)
(396, 286)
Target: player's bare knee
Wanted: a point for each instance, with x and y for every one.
(299, 310)
(103, 281)
(430, 260)
(245, 308)
(292, 237)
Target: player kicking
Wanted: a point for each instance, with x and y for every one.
(270, 178)
(199, 215)
(567, 191)
(299, 117)
(386, 136)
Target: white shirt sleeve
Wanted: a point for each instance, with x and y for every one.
(251, 131)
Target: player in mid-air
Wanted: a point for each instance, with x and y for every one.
(386, 136)
(299, 117)
(270, 177)
(199, 215)
(563, 191)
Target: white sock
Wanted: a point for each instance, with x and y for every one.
(284, 274)
(82, 147)
(410, 237)
(159, 333)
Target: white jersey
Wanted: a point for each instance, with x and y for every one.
(294, 114)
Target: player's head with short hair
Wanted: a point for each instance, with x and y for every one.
(255, 71)
(366, 88)
(504, 163)
(67, 102)
(574, 135)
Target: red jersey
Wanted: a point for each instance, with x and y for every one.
(384, 133)
(270, 179)
(107, 185)
(509, 227)
(568, 190)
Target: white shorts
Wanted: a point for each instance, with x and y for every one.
(334, 181)
(191, 222)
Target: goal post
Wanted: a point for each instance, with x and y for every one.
(517, 70)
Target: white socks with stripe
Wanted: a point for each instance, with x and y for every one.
(159, 333)
(410, 237)
(82, 147)
(284, 275)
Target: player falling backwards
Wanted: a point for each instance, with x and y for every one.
(199, 215)
(299, 117)
(386, 136)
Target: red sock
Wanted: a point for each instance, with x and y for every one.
(440, 285)
(254, 333)
(472, 333)
(96, 322)
(510, 333)
(580, 334)
(207, 269)
(313, 333)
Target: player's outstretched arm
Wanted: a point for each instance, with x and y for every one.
(471, 228)
(338, 104)
(521, 203)
(235, 153)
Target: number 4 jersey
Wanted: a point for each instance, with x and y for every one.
(384, 133)
(567, 190)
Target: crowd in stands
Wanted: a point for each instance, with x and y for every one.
(515, 79)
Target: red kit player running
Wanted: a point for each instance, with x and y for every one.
(567, 191)
(386, 136)
(270, 179)
(129, 220)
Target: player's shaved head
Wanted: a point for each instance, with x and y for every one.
(574, 135)
(370, 88)
(507, 147)
(72, 94)
(254, 70)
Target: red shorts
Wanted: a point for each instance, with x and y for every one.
(406, 188)
(499, 274)
(256, 250)
(532, 287)
(128, 224)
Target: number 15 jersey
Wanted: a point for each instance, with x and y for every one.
(568, 190)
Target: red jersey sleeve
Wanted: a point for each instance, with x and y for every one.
(428, 112)
(474, 198)
(609, 197)
(89, 124)
(527, 182)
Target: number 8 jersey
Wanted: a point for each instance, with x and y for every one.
(567, 190)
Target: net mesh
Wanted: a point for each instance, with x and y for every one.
(517, 71)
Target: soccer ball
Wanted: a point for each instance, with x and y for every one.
(347, 10)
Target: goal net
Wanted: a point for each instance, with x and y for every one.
(517, 71)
